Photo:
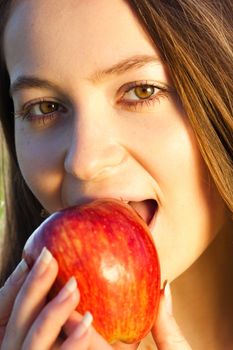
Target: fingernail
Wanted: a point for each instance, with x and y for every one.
(43, 260)
(168, 298)
(83, 325)
(67, 290)
(20, 271)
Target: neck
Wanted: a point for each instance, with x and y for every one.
(202, 296)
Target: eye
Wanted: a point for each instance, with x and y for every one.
(140, 92)
(45, 107)
(140, 95)
(42, 112)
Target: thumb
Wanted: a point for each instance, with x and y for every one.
(166, 332)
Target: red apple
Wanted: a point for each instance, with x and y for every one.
(109, 250)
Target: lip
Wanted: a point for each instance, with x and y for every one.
(153, 220)
(150, 205)
(147, 209)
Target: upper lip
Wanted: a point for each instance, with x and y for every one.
(130, 200)
(126, 199)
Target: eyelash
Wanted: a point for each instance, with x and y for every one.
(26, 114)
(136, 105)
(147, 102)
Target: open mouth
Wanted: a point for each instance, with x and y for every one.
(145, 209)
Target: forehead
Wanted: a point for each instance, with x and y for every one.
(72, 33)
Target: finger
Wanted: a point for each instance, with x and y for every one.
(166, 332)
(72, 322)
(30, 300)
(47, 327)
(10, 290)
(76, 318)
(85, 337)
(123, 346)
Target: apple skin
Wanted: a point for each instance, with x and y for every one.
(108, 248)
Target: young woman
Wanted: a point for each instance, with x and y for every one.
(129, 100)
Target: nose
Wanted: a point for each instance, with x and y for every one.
(93, 152)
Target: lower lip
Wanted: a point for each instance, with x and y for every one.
(152, 211)
(152, 222)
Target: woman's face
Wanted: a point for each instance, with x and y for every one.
(97, 117)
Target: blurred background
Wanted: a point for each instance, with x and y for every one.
(2, 204)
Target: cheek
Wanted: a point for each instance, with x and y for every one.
(40, 162)
(192, 213)
(191, 210)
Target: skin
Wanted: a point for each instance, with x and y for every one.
(94, 147)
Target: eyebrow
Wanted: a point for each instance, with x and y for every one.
(125, 65)
(24, 82)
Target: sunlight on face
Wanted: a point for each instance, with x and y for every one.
(97, 116)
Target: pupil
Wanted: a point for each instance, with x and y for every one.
(144, 91)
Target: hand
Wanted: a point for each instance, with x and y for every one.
(8, 294)
(166, 332)
(28, 322)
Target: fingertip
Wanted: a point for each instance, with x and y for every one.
(83, 326)
(168, 298)
(166, 332)
(69, 290)
(81, 335)
(19, 273)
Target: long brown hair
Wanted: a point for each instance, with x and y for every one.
(195, 41)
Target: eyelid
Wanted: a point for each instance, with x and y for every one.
(128, 86)
(139, 105)
(25, 109)
(41, 100)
